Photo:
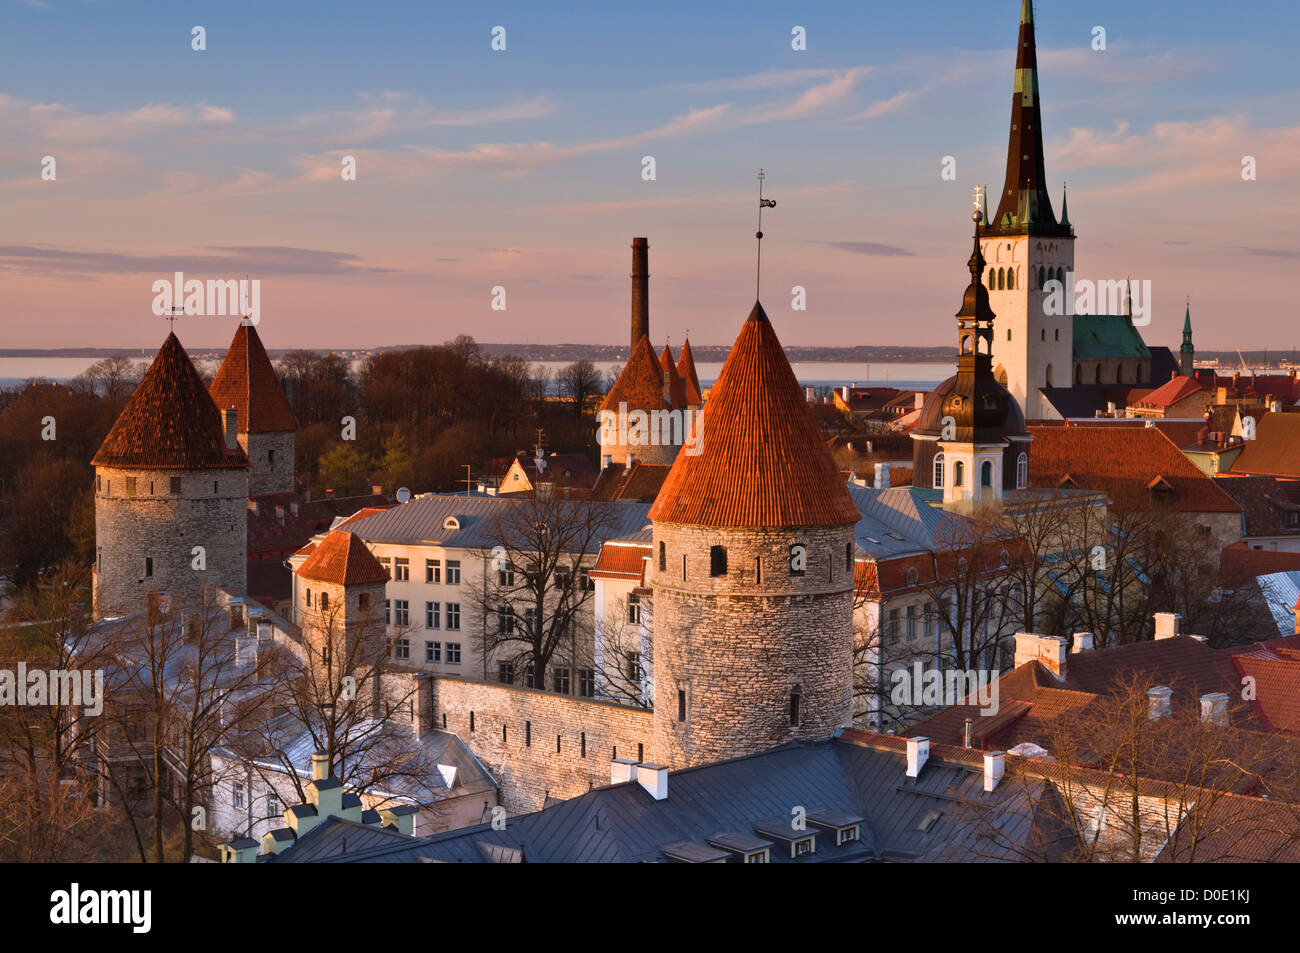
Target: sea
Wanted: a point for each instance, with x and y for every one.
(15, 371)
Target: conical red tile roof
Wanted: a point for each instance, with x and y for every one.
(641, 383)
(675, 389)
(342, 559)
(246, 381)
(170, 422)
(686, 371)
(761, 460)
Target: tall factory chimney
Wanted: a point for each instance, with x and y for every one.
(640, 290)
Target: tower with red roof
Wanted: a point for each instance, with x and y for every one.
(246, 381)
(338, 592)
(171, 489)
(753, 570)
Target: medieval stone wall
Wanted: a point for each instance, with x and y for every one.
(536, 744)
(271, 456)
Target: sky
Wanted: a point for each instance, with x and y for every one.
(523, 168)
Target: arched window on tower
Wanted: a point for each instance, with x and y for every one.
(1078, 374)
(1060, 275)
(1119, 374)
(308, 599)
(663, 558)
(938, 471)
(717, 560)
(986, 474)
(1098, 373)
(1049, 375)
(1002, 279)
(1022, 471)
(324, 602)
(1042, 276)
(959, 474)
(1011, 279)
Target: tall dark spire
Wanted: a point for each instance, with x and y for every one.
(1024, 206)
(1187, 353)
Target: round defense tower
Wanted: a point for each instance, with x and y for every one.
(171, 487)
(753, 571)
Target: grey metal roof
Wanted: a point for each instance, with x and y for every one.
(423, 520)
(623, 823)
(900, 521)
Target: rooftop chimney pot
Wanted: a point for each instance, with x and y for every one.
(1083, 642)
(995, 766)
(1158, 702)
(1168, 625)
(918, 753)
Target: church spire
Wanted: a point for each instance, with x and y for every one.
(1024, 206)
(1187, 353)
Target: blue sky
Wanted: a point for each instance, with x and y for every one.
(522, 168)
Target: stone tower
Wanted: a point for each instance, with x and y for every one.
(753, 571)
(1187, 353)
(246, 381)
(339, 602)
(171, 489)
(970, 439)
(1024, 247)
(645, 416)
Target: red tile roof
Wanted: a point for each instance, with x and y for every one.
(676, 390)
(1171, 392)
(621, 561)
(170, 422)
(246, 381)
(640, 384)
(343, 559)
(1239, 564)
(686, 370)
(1125, 463)
(1276, 671)
(1275, 451)
(759, 457)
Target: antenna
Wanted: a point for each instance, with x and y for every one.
(762, 204)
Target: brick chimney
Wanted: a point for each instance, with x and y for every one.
(1048, 650)
(1158, 702)
(1214, 709)
(1083, 642)
(640, 290)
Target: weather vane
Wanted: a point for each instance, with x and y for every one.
(977, 194)
(762, 204)
(173, 315)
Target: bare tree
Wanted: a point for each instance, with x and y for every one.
(579, 382)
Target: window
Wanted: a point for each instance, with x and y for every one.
(802, 848)
(1057, 334)
(388, 612)
(1293, 519)
(270, 458)
(402, 650)
(927, 620)
(387, 563)
(453, 572)
(432, 615)
(959, 474)
(986, 474)
(505, 620)
(324, 602)
(717, 560)
(237, 797)
(681, 704)
(506, 673)
(307, 599)
(530, 676)
(402, 567)
(433, 570)
(433, 651)
(794, 707)
(663, 558)
(632, 667)
(583, 742)
(758, 857)
(363, 600)
(912, 576)
(506, 577)
(1042, 276)
(911, 622)
(892, 630)
(683, 567)
(1022, 471)
(530, 622)
(528, 734)
(130, 486)
(563, 577)
(1043, 334)
(453, 653)
(1011, 279)
(453, 616)
(848, 557)
(560, 680)
(758, 569)
(272, 806)
(1002, 279)
(798, 559)
(586, 682)
(176, 486)
(938, 471)
(148, 566)
(401, 612)
(584, 577)
(633, 609)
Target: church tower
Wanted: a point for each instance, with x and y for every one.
(970, 439)
(1187, 353)
(753, 570)
(171, 490)
(246, 381)
(1025, 246)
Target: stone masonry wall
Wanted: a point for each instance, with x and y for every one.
(738, 644)
(524, 759)
(269, 474)
(151, 523)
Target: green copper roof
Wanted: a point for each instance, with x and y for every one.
(1101, 336)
